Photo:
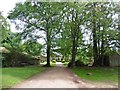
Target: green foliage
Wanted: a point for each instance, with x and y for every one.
(65, 25)
(13, 59)
(19, 51)
(32, 47)
(65, 63)
(4, 28)
(42, 16)
(13, 42)
(53, 61)
(80, 63)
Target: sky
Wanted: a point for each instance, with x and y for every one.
(6, 6)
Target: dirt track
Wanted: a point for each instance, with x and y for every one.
(58, 77)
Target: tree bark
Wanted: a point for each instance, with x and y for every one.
(48, 55)
(95, 52)
(48, 46)
(75, 44)
(104, 58)
(95, 49)
(102, 50)
(73, 52)
(106, 61)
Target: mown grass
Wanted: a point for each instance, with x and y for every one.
(13, 76)
(97, 74)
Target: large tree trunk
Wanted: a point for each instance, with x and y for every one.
(106, 61)
(102, 50)
(48, 47)
(95, 49)
(73, 52)
(95, 52)
(75, 37)
(48, 56)
(104, 58)
(98, 42)
(74, 45)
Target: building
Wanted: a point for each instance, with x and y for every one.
(114, 60)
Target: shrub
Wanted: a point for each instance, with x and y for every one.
(69, 64)
(14, 59)
(63, 61)
(42, 61)
(53, 61)
(79, 63)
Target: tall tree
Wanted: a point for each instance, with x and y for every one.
(71, 30)
(101, 23)
(35, 17)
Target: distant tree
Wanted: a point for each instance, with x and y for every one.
(32, 47)
(4, 28)
(13, 42)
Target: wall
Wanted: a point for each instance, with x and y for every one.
(114, 60)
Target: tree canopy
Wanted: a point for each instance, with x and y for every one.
(77, 30)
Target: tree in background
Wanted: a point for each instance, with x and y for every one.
(4, 28)
(32, 47)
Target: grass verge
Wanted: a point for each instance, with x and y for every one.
(97, 74)
(13, 76)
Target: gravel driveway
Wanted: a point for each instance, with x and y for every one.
(58, 77)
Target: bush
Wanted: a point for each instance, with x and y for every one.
(69, 64)
(53, 61)
(63, 61)
(79, 63)
(14, 59)
(42, 61)
(5, 60)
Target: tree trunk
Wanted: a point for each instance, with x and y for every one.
(98, 43)
(48, 47)
(74, 45)
(75, 37)
(102, 50)
(95, 50)
(73, 53)
(106, 61)
(48, 56)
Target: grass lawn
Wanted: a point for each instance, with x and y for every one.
(98, 74)
(13, 76)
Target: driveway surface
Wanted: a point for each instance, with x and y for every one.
(58, 77)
